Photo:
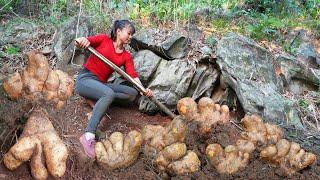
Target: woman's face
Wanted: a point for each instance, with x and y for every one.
(124, 35)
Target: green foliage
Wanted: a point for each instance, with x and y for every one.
(260, 19)
(266, 27)
(12, 50)
(7, 5)
(304, 103)
(220, 23)
(165, 10)
(100, 19)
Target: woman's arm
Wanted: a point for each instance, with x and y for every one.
(130, 70)
(93, 41)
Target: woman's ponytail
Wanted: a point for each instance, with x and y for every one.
(120, 24)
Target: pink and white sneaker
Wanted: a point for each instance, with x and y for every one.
(88, 146)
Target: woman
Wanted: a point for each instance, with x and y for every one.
(92, 80)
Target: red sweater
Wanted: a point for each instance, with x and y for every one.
(104, 45)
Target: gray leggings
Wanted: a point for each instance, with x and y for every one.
(89, 86)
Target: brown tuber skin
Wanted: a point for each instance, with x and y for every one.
(118, 151)
(228, 160)
(157, 137)
(188, 164)
(187, 107)
(37, 81)
(259, 135)
(207, 113)
(288, 156)
(40, 143)
(165, 145)
(176, 160)
(258, 132)
(170, 153)
(13, 86)
(34, 76)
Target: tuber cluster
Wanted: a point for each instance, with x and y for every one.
(287, 155)
(265, 137)
(228, 160)
(166, 146)
(206, 112)
(37, 81)
(176, 160)
(39, 143)
(157, 137)
(118, 151)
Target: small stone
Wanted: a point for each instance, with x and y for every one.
(206, 50)
(46, 50)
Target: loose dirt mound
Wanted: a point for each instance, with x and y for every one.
(71, 121)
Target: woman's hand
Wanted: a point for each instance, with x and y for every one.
(82, 42)
(149, 93)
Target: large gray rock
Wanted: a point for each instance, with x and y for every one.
(172, 47)
(304, 45)
(203, 81)
(296, 75)
(248, 69)
(169, 84)
(64, 41)
(146, 64)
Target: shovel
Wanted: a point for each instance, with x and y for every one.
(138, 86)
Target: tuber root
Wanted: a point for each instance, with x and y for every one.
(39, 142)
(118, 151)
(175, 160)
(188, 164)
(288, 156)
(228, 160)
(258, 132)
(37, 81)
(262, 136)
(13, 86)
(206, 112)
(157, 137)
(165, 145)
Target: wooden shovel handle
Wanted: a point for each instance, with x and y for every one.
(138, 86)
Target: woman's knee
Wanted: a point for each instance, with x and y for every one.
(133, 94)
(107, 92)
(106, 99)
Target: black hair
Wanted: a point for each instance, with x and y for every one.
(120, 24)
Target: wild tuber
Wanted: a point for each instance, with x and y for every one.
(288, 156)
(262, 136)
(156, 137)
(166, 146)
(176, 160)
(206, 112)
(259, 132)
(13, 86)
(37, 81)
(40, 143)
(228, 160)
(118, 151)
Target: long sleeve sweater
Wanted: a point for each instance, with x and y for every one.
(104, 45)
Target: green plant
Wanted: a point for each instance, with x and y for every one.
(7, 5)
(304, 103)
(12, 50)
(265, 28)
(221, 23)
